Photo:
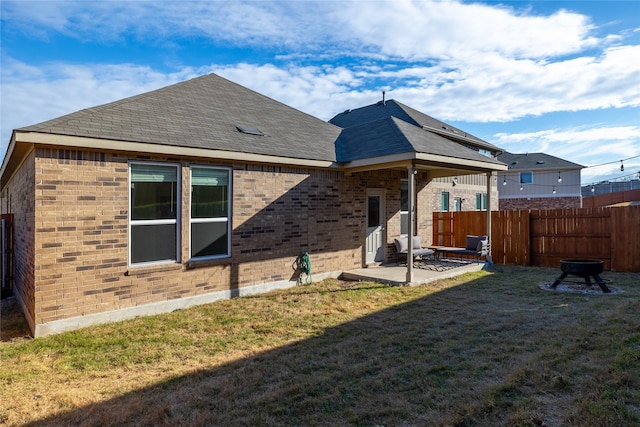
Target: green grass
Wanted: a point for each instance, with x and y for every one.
(480, 349)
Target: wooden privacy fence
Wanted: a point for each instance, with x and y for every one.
(544, 237)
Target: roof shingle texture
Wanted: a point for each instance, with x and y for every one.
(392, 108)
(531, 162)
(203, 113)
(391, 135)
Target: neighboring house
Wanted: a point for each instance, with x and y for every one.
(611, 194)
(608, 187)
(205, 190)
(538, 181)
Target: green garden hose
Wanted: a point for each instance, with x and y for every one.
(305, 266)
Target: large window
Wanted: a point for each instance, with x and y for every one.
(404, 206)
(444, 201)
(153, 208)
(210, 212)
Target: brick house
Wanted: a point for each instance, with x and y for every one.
(538, 181)
(206, 190)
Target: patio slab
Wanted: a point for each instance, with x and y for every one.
(423, 271)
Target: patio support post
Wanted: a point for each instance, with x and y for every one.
(489, 239)
(410, 221)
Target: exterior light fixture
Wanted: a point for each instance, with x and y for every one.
(554, 189)
(454, 182)
(504, 180)
(593, 188)
(521, 187)
(559, 177)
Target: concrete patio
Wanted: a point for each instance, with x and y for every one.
(424, 271)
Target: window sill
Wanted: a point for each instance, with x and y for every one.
(206, 263)
(144, 269)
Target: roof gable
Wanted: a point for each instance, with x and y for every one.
(204, 112)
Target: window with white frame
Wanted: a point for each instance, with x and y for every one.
(457, 204)
(153, 212)
(210, 212)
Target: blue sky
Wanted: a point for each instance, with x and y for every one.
(560, 77)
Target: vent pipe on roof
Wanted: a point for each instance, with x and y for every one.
(383, 101)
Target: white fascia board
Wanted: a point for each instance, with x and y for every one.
(141, 147)
(7, 156)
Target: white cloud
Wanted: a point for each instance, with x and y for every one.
(31, 94)
(425, 29)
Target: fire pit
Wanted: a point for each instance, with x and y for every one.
(585, 268)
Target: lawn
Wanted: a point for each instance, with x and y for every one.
(482, 349)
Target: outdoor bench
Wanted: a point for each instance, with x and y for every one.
(477, 246)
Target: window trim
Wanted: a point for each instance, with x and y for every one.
(526, 181)
(227, 219)
(481, 201)
(165, 221)
(442, 197)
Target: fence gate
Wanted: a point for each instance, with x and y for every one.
(6, 255)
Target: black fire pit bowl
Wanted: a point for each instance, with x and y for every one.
(585, 268)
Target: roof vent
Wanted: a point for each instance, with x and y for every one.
(250, 130)
(540, 162)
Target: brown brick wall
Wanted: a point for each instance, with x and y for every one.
(277, 212)
(18, 199)
(540, 203)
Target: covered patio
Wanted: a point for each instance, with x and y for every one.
(390, 135)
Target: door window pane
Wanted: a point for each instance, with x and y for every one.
(373, 211)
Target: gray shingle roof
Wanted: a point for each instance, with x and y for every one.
(391, 135)
(203, 113)
(403, 112)
(535, 161)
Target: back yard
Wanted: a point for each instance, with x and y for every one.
(481, 349)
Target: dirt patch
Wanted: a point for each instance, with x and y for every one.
(579, 288)
(12, 322)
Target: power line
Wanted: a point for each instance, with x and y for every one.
(615, 161)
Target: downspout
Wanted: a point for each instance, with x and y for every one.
(489, 240)
(410, 221)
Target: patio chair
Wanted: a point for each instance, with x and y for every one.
(402, 248)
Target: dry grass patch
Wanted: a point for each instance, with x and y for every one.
(480, 349)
